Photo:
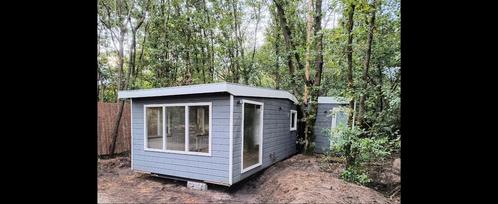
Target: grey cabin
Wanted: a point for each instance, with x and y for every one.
(217, 133)
(328, 116)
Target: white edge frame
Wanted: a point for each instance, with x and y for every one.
(131, 132)
(295, 120)
(335, 110)
(242, 170)
(230, 134)
(333, 124)
(186, 105)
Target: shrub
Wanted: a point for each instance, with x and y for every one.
(359, 151)
(355, 175)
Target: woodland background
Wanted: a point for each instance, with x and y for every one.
(346, 48)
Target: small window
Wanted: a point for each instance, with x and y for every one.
(198, 129)
(293, 120)
(175, 124)
(154, 128)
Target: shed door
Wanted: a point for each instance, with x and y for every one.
(339, 118)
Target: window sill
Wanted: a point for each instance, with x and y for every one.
(178, 152)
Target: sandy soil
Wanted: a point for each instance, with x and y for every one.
(299, 179)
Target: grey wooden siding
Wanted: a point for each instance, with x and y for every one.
(277, 137)
(322, 125)
(212, 168)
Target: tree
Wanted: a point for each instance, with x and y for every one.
(257, 11)
(307, 80)
(315, 19)
(349, 54)
(122, 12)
(365, 77)
(289, 45)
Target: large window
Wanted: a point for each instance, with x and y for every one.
(252, 134)
(187, 128)
(293, 120)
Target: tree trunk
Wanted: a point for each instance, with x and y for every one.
(98, 67)
(119, 87)
(188, 32)
(209, 48)
(307, 81)
(115, 130)
(318, 45)
(246, 72)
(102, 91)
(349, 53)
(131, 68)
(316, 83)
(289, 45)
(121, 60)
(188, 74)
(140, 58)
(240, 59)
(203, 61)
(366, 65)
(379, 88)
(131, 61)
(277, 68)
(309, 39)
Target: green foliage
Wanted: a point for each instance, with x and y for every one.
(355, 175)
(352, 143)
(360, 151)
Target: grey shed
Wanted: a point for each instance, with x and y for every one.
(326, 120)
(217, 133)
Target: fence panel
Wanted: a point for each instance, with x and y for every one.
(105, 123)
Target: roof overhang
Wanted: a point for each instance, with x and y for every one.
(234, 89)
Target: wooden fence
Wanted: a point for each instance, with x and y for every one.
(105, 123)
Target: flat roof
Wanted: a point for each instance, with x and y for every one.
(332, 99)
(234, 89)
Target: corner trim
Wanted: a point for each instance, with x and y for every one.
(230, 133)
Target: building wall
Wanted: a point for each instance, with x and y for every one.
(277, 137)
(322, 127)
(212, 168)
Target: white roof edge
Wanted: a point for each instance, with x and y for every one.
(332, 99)
(234, 89)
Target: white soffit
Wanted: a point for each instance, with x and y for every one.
(234, 89)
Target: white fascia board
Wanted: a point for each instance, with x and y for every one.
(241, 90)
(234, 89)
(171, 91)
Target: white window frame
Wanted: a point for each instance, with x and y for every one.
(295, 120)
(186, 105)
(242, 170)
(335, 110)
(145, 126)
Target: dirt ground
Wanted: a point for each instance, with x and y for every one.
(299, 179)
